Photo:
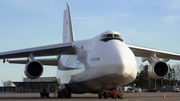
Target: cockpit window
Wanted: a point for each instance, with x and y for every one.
(116, 36)
(103, 36)
(107, 37)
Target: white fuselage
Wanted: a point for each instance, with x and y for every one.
(98, 64)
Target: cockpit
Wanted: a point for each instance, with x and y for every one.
(107, 37)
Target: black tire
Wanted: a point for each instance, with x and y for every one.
(68, 94)
(121, 97)
(112, 96)
(60, 94)
(100, 95)
(64, 93)
(105, 95)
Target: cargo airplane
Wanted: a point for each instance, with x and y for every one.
(93, 65)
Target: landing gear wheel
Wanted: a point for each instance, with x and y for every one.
(121, 97)
(112, 96)
(100, 95)
(64, 93)
(61, 94)
(68, 94)
(105, 95)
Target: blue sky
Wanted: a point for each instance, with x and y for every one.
(30, 23)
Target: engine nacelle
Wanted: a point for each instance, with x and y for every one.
(33, 69)
(158, 69)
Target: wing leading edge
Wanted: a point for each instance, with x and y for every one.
(49, 61)
(49, 50)
(146, 52)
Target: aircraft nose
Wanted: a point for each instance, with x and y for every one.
(125, 64)
(125, 61)
(113, 56)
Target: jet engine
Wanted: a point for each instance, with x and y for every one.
(158, 70)
(33, 69)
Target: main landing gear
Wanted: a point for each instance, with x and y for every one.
(113, 94)
(101, 94)
(64, 93)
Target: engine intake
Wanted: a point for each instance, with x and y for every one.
(33, 69)
(158, 70)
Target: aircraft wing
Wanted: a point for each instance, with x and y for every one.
(49, 50)
(146, 52)
(49, 61)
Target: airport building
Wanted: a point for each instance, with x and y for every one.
(9, 84)
(51, 85)
(7, 89)
(31, 85)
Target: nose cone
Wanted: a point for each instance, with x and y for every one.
(125, 63)
(124, 60)
(114, 57)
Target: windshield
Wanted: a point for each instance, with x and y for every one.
(107, 37)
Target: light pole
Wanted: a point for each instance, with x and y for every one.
(155, 84)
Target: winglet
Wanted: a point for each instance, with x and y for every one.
(68, 33)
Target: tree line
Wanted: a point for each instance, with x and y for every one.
(144, 81)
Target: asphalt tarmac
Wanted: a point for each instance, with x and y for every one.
(169, 96)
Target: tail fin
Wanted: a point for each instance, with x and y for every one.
(68, 33)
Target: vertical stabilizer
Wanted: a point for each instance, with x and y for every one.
(68, 33)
